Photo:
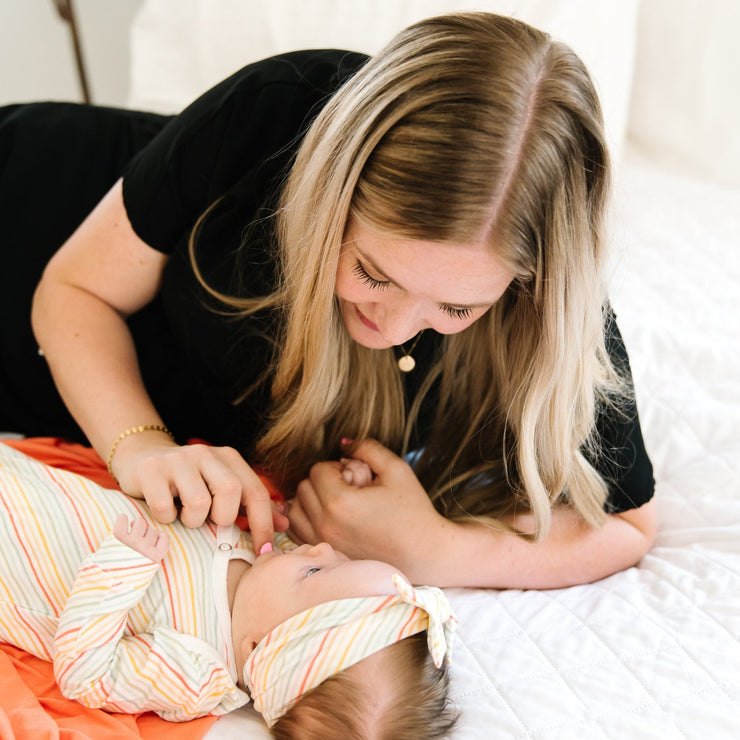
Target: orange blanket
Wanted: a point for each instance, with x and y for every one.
(31, 705)
(33, 708)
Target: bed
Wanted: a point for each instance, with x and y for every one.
(652, 652)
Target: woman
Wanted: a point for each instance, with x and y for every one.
(271, 254)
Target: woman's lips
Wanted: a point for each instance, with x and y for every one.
(365, 320)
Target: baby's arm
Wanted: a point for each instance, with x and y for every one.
(140, 537)
(99, 663)
(356, 472)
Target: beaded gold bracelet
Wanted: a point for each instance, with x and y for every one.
(128, 433)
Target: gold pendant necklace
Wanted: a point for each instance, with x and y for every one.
(406, 363)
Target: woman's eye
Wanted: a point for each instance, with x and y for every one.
(361, 274)
(311, 571)
(364, 277)
(457, 313)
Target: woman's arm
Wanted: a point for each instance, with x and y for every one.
(394, 520)
(102, 275)
(572, 553)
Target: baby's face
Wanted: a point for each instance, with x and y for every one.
(279, 586)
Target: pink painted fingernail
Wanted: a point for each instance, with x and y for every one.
(346, 441)
(267, 547)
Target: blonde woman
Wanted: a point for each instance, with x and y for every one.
(392, 259)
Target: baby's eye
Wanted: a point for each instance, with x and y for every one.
(311, 571)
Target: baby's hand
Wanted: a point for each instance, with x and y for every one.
(146, 540)
(356, 472)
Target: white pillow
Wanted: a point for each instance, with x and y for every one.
(686, 105)
(179, 48)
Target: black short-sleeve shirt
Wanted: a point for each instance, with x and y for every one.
(234, 145)
(236, 138)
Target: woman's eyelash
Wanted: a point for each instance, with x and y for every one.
(362, 275)
(457, 313)
(311, 571)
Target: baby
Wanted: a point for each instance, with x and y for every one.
(186, 622)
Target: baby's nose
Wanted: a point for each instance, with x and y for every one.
(322, 549)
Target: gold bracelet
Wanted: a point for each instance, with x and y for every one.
(128, 433)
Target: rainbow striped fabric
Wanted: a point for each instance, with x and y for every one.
(130, 635)
(308, 648)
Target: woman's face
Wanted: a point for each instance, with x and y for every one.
(390, 289)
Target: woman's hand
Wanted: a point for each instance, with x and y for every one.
(104, 273)
(210, 482)
(384, 520)
(392, 519)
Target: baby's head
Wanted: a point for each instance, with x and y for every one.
(363, 651)
(396, 693)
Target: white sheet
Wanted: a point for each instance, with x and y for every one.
(652, 652)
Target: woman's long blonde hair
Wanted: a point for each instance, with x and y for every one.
(466, 128)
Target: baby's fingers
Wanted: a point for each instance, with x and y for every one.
(141, 537)
(356, 472)
(121, 528)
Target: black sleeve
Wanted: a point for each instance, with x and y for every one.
(621, 457)
(224, 136)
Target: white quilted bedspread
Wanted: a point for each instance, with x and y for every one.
(652, 652)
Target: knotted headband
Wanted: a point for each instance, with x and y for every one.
(306, 649)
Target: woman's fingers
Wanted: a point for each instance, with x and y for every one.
(157, 492)
(223, 487)
(305, 508)
(195, 494)
(210, 482)
(249, 493)
(258, 505)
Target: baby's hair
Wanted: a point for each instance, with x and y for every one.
(409, 703)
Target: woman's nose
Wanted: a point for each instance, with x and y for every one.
(399, 323)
